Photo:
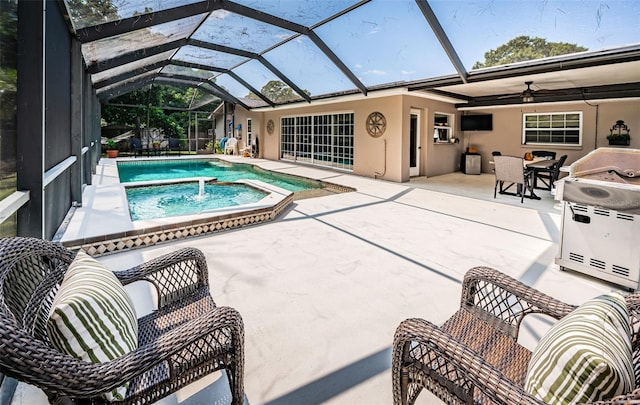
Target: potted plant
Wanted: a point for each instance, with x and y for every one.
(208, 149)
(112, 149)
(619, 134)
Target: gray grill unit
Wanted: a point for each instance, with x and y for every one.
(600, 232)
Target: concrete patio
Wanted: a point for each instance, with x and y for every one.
(323, 287)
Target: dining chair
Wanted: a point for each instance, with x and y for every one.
(543, 154)
(549, 176)
(511, 170)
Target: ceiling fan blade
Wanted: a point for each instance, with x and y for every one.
(514, 95)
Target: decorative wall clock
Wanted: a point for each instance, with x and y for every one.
(376, 124)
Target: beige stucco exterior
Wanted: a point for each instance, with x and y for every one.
(597, 120)
(387, 157)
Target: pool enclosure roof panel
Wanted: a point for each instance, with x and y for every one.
(279, 52)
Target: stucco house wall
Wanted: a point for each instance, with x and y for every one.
(387, 157)
(597, 120)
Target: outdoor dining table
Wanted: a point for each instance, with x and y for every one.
(539, 165)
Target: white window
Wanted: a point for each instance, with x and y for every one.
(561, 128)
(325, 140)
(249, 133)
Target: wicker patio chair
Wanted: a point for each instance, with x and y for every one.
(186, 338)
(474, 358)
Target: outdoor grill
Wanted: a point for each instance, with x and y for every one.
(600, 229)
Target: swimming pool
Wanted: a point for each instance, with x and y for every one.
(169, 200)
(139, 171)
(126, 234)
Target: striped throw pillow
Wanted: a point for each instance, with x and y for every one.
(92, 317)
(586, 356)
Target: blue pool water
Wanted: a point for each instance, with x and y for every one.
(170, 200)
(222, 171)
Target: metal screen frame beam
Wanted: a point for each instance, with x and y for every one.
(129, 74)
(300, 29)
(109, 29)
(133, 56)
(188, 81)
(124, 88)
(437, 29)
(251, 55)
(227, 71)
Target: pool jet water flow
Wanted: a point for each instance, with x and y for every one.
(201, 188)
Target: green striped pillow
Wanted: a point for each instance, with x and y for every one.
(586, 356)
(92, 317)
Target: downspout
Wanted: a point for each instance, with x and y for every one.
(597, 106)
(595, 138)
(376, 174)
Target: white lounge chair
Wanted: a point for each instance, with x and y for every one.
(232, 145)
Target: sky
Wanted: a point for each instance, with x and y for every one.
(386, 41)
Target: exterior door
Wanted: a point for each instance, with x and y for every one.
(414, 143)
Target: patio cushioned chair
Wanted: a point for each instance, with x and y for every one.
(474, 358)
(510, 170)
(184, 339)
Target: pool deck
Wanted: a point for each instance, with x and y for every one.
(322, 287)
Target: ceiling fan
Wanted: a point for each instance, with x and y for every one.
(528, 95)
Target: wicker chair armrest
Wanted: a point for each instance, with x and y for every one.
(627, 399)
(467, 362)
(53, 371)
(491, 294)
(633, 306)
(174, 275)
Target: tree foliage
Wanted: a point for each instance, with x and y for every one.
(8, 61)
(143, 106)
(277, 91)
(525, 48)
(92, 9)
(8, 46)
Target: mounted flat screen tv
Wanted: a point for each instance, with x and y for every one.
(476, 122)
